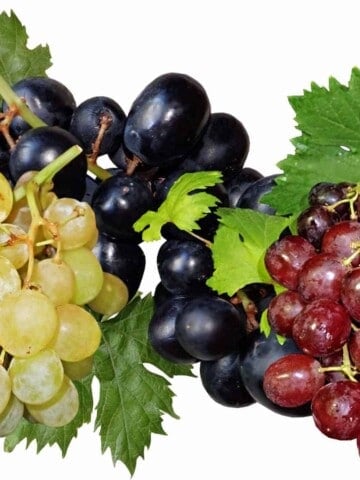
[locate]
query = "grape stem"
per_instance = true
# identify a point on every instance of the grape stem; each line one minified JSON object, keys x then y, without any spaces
{"x":249,"y":307}
{"x":98,"y":171}
{"x":105,"y":122}
{"x":48,"y":172}
{"x":14,"y":100}
{"x":346,"y":367}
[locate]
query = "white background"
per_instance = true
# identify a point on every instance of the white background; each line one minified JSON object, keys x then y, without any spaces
{"x":249,"y":55}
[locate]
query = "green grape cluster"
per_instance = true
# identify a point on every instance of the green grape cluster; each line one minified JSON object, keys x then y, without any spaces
{"x":48,"y":276}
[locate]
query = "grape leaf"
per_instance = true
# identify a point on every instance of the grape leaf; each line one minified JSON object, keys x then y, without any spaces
{"x":132,"y":398}
{"x":327,"y":150}
{"x":17,"y":61}
{"x":182,"y":206}
{"x":239,"y":248}
{"x":61,"y":436}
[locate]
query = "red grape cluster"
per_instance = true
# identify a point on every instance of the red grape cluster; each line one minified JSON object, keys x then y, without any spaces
{"x":319,"y":310}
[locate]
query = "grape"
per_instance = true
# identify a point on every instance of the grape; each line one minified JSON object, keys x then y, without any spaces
{"x":260,"y":353}
{"x":79,"y":334}
{"x":293,"y":380}
{"x":74,"y":220}
{"x":112,"y":298}
{"x":123,"y":259}
{"x":61,"y":409}
{"x":237,"y":185}
{"x":285,"y":258}
{"x":342,"y":241}
{"x":28,"y":322}
{"x":38,"y":378}
{"x":88,"y":274}
{"x":209,"y":328}
{"x":223,"y":146}
{"x":283,"y":310}
{"x":10,"y":281}
{"x":223,"y":382}
{"x":166,"y":119}
{"x":40,"y":146}
{"x":55,"y":279}
{"x":336,"y":409}
{"x":184,"y":266}
{"x":354,"y":348}
{"x":162,"y":331}
{"x":47,"y":98}
{"x":80,"y":369}
{"x":11,"y":416}
{"x":350,"y":293}
{"x":327,"y":193}
{"x":322,"y":327}
{"x":13,"y":244}
{"x":321,"y":277}
{"x":88,"y":119}
{"x":252,"y":196}
{"x":313,"y":222}
{"x":6,"y":198}
{"x":118,"y":202}
{"x":5,"y":388}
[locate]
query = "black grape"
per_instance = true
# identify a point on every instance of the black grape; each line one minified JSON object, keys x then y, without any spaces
{"x":210,"y":327}
{"x":161,"y":295}
{"x":125,"y":260}
{"x":223,"y":146}
{"x":223,"y":382}
{"x":166,"y":119}
{"x":262,"y":351}
{"x":184,"y":266}
{"x":40,"y":146}
{"x":47,"y":98}
{"x":162,"y":331}
{"x":118,"y":202}
{"x":86,"y":123}
{"x":251,"y":197}
{"x":239,"y":183}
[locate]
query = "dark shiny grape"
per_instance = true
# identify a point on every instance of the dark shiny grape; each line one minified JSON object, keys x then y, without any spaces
{"x":327,"y":193}
{"x":283,"y":310}
{"x":125,"y":260}
{"x":223,"y":146}
{"x":118,"y":202}
{"x":161,"y":295}
{"x":209,"y":328}
{"x":341,"y":240}
{"x":222,"y":381}
{"x":238,"y":183}
{"x":184,"y":267}
{"x":90,"y":116}
{"x":313,"y":222}
{"x":162,"y":331}
{"x":262,"y":351}
{"x":47,"y":98}
{"x":354,"y":348}
{"x":252,"y":196}
{"x":166,"y":119}
{"x":350,"y":293}
{"x":40,"y":146}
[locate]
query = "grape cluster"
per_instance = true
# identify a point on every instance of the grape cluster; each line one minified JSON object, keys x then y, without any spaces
{"x":319,"y":311}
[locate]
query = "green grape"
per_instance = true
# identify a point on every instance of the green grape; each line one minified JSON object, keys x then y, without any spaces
{"x":75,"y":222}
{"x":10,"y":280}
{"x":55,"y":279}
{"x":6,"y":197}
{"x":38,"y":378}
{"x":28,"y":322}
{"x":112,"y":297}
{"x":80,"y":369}
{"x":13,"y":244}
{"x":61,"y":409}
{"x":88,"y":274}
{"x":5,"y":388}
{"x":79,"y":334}
{"x":11,"y":416}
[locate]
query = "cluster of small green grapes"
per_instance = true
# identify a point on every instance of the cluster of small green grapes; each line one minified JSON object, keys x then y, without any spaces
{"x":48,"y":275}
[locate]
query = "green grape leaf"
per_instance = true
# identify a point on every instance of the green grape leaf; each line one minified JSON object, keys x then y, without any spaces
{"x":239,"y":247}
{"x":132,"y":398}
{"x":184,"y":205}
{"x":62,"y":436}
{"x":17,"y":61}
{"x":327,"y":150}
